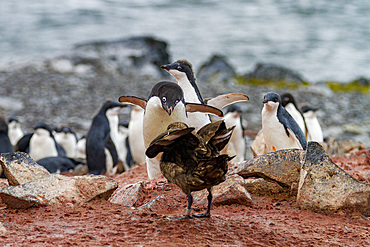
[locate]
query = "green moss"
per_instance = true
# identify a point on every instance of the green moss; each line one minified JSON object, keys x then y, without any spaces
{"x":348,"y":87}
{"x":269,"y":83}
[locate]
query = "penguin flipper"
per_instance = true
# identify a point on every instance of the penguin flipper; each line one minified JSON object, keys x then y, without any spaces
{"x":194,"y":107}
{"x":112,"y":150}
{"x":223,"y":100}
{"x":292,"y":128}
{"x":133,"y":100}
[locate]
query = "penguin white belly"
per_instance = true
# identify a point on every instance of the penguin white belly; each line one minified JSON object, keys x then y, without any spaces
{"x":42,"y":147}
{"x":114,"y":135}
{"x":237,"y":140}
{"x":68,"y":142}
{"x":155,"y":122}
{"x":275,"y":135}
{"x":313,"y":128}
{"x":15,"y":133}
{"x":135,"y":136}
{"x":81,"y":149}
{"x":110,"y":170}
{"x":195,"y":119}
{"x":296,"y":115}
{"x":156,"y":119}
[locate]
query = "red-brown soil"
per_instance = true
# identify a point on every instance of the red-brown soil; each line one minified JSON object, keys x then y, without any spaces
{"x":273,"y":221}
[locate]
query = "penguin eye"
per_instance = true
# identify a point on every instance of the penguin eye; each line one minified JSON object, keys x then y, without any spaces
{"x":177,"y":101}
{"x":179,"y":68}
{"x":164,"y":99}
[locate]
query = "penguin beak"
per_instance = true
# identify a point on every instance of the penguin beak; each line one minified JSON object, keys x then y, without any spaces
{"x":264,"y":101}
{"x":165,"y":67}
{"x":168,"y":109}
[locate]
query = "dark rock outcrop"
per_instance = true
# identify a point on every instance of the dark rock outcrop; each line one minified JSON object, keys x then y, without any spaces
{"x":216,"y":70}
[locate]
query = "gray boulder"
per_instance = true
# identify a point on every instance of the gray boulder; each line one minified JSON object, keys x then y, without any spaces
{"x":128,"y":195}
{"x":325,"y":186}
{"x":58,"y":190}
{"x":281,"y":167}
{"x":261,"y":186}
{"x":273,"y":72}
{"x":231,"y":191}
{"x":136,"y":53}
{"x":20,"y":168}
{"x":216,"y":70}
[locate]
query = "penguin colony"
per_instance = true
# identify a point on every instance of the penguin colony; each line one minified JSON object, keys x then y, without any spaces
{"x":171,"y":131}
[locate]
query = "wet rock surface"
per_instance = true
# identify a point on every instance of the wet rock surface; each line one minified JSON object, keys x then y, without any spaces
{"x":325,"y":186}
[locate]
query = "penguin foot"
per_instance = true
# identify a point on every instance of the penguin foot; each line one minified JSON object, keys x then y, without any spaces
{"x":203,"y":215}
{"x":185,"y":217}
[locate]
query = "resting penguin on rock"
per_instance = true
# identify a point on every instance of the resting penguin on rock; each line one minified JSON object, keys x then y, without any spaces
{"x":101,"y":152}
{"x":165,"y":105}
{"x":280,"y":130}
{"x":182,"y":70}
{"x":289,"y":103}
{"x":193,"y":161}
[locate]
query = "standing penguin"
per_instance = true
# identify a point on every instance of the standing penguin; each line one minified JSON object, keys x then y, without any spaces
{"x":279,"y":129}
{"x":165,"y":105}
{"x":15,"y":131}
{"x":42,"y":143}
{"x":101,"y":152}
{"x":67,"y":139}
{"x":314,"y":131}
{"x":288,"y":101}
{"x":135,"y":135}
{"x":182,"y":70}
{"x":237,"y":142}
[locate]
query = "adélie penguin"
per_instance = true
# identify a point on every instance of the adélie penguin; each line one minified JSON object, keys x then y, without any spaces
{"x":280,"y":130}
{"x":42,"y":143}
{"x":15,"y":131}
{"x":135,"y":136}
{"x":67,"y":138}
{"x":193,"y":161}
{"x":182,"y":70}
{"x":289,"y":103}
{"x":237,"y":142}
{"x":314,"y":131}
{"x":101,"y":152}
{"x":165,"y":105}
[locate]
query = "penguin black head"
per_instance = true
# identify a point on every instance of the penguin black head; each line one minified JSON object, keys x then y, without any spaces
{"x":307,"y":108}
{"x":109,"y":105}
{"x":13,"y":119}
{"x":287,"y":98}
{"x":180,"y":68}
{"x":43,"y":128}
{"x":234,"y":108}
{"x":169,"y":93}
{"x":272,"y":100}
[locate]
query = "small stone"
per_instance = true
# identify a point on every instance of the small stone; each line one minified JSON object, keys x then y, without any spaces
{"x":128,"y":195}
{"x":231,"y":191}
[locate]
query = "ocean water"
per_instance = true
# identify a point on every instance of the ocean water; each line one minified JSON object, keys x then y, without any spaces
{"x":321,"y":39}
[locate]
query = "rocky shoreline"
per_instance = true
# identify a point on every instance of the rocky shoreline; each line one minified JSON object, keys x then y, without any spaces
{"x":68,"y":90}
